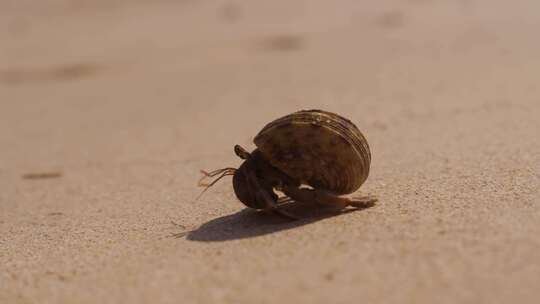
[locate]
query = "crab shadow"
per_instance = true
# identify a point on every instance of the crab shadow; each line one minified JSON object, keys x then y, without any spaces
{"x":249,"y":223}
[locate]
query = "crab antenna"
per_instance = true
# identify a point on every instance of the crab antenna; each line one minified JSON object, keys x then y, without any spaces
{"x":212,"y":174}
{"x":221,"y":172}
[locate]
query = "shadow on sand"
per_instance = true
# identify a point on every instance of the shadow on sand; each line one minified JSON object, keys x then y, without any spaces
{"x":250,"y":223}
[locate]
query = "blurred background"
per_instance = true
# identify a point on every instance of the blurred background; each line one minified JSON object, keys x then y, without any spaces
{"x":127,"y":100}
{"x":160,"y":71}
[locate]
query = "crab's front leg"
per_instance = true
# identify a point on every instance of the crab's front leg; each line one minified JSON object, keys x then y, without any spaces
{"x":272,"y":205}
{"x":326,"y":198}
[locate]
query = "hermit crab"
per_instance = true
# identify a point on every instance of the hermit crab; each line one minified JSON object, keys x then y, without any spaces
{"x":311,"y":156}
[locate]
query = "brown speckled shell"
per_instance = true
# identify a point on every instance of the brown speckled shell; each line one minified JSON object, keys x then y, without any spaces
{"x":317,"y":148}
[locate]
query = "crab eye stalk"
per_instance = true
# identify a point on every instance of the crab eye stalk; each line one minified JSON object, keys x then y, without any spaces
{"x":241,"y":152}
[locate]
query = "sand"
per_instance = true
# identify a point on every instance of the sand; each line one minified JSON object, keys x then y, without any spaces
{"x":109,"y":109}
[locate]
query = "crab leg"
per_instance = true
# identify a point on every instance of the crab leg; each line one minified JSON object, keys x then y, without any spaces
{"x":323,"y":197}
{"x":284,"y":200}
{"x":271,"y":205}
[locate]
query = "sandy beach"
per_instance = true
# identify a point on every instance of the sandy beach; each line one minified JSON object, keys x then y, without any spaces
{"x":109,"y":109}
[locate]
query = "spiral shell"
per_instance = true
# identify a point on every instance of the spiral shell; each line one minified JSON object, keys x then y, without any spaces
{"x":317,"y":148}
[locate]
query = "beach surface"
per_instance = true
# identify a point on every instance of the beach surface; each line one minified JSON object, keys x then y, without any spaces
{"x":109,"y":109}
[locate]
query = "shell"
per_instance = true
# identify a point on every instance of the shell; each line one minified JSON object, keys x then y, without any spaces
{"x":317,"y":148}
